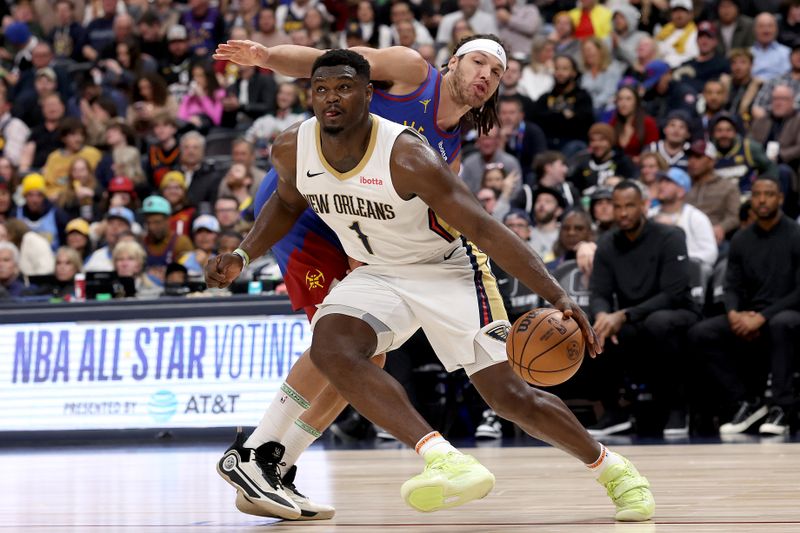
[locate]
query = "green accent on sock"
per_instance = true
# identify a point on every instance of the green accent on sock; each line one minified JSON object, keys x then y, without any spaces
{"x":291,"y":393}
{"x":308,"y":429}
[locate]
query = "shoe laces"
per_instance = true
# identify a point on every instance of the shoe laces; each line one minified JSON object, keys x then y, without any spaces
{"x":629,"y":483}
{"x":448,"y":461}
{"x":271,"y":471}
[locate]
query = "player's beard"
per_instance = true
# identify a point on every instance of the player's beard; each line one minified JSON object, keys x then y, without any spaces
{"x":460,"y":89}
{"x":332,"y":130}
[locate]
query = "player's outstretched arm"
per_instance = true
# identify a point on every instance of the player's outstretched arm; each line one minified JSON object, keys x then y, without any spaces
{"x":397,"y":64}
{"x":287,"y":59}
{"x":418,"y":170}
{"x":274,"y":221}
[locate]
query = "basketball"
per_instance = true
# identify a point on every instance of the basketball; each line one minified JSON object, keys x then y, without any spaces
{"x":543,"y":349}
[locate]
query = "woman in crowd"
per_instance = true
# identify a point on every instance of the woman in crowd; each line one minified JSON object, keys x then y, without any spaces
{"x":634,"y":128}
{"x":150,"y":97}
{"x":650,"y":164}
{"x":503,"y":183}
{"x":128,"y":258}
{"x":202,"y":106}
{"x":287,"y":112}
{"x":82,"y":196}
{"x":318,"y":29}
{"x":67,"y":264}
{"x":600,"y":73}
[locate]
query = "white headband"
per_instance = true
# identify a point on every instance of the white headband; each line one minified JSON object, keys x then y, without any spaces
{"x":484,"y":45}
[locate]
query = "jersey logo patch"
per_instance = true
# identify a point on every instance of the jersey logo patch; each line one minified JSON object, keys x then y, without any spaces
{"x":310,"y":175}
{"x":425,"y":105}
{"x":315,"y":279}
{"x":499,"y":332}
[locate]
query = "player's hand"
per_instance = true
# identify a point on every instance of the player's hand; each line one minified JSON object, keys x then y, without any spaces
{"x":571,"y":310}
{"x":246,"y":53}
{"x":222,"y":270}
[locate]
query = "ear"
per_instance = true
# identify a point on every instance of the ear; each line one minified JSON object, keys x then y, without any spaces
{"x":451,"y":64}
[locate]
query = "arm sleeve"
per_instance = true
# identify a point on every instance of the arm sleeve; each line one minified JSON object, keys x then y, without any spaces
{"x":673,"y":278}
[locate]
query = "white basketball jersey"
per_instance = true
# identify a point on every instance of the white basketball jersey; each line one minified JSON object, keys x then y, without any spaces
{"x":362,"y":207}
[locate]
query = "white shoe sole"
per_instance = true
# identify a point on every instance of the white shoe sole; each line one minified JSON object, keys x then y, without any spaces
{"x":747,"y":423}
{"x":772,"y":429}
{"x":248,"y":507}
{"x":610,"y":430}
{"x":488,"y":434}
{"x":228,"y":469}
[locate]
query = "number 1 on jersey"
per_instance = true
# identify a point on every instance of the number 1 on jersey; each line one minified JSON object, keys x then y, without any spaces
{"x":363,"y":238}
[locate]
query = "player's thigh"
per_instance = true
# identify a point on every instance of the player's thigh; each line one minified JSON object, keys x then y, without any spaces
{"x":370,"y":297}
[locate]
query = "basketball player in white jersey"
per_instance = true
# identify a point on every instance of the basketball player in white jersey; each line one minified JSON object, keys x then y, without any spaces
{"x":378,"y":185}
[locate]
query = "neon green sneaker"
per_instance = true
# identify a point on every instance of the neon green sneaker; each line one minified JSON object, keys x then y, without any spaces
{"x":449,"y":480}
{"x":630,"y":492}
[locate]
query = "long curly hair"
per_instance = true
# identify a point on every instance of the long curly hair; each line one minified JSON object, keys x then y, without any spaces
{"x":482,"y":118}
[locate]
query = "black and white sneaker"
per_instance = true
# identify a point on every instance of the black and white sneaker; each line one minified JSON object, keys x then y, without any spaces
{"x":611,"y":423}
{"x":745,"y":418}
{"x":382,"y":434}
{"x":255,"y":474}
{"x":309,"y":510}
{"x":490,"y":426}
{"x":776,"y":423}
{"x":677,"y":424}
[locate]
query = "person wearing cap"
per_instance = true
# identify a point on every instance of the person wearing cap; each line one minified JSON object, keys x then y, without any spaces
{"x":548,"y":206}
{"x":175,"y":65}
{"x":601,"y":208}
{"x":641,"y":314}
{"x":162,"y":245}
{"x":677,"y":40}
{"x":763,"y":100}
{"x":39,"y":213}
{"x":602,"y":160}
{"x":117,"y":222}
{"x":760,"y":330}
{"x":677,"y":134}
{"x":672,"y":210}
{"x":770,"y":58}
{"x":744,"y":88}
{"x":205,"y":230}
{"x":717,"y":198}
{"x":626,"y":34}
{"x":709,"y":64}
{"x":664,"y":94}
{"x":173,"y":188}
{"x":122,"y":193}
{"x":78,"y":239}
{"x":20,"y":41}
{"x":740,"y":159}
{"x":735,"y":30}
{"x":13,"y":132}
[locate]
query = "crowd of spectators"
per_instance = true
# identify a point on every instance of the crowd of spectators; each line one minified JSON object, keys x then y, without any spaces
{"x":648,"y":150}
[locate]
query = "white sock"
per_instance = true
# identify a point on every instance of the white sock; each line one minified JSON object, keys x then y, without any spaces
{"x":286,"y":407}
{"x":433,"y":444}
{"x":297,"y":440}
{"x":606,"y":460}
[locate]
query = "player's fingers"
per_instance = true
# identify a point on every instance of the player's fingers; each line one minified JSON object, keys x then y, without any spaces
{"x":566,"y":314}
{"x":614,"y":339}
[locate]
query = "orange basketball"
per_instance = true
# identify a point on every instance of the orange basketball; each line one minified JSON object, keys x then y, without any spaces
{"x":543,"y":348}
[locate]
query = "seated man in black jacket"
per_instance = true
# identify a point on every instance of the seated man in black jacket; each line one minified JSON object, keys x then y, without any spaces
{"x":644,"y":267}
{"x":762,"y":326}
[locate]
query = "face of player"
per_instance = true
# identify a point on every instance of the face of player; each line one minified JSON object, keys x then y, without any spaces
{"x":629,"y":209}
{"x":766,"y":199}
{"x":477,"y":77}
{"x":340,"y":98}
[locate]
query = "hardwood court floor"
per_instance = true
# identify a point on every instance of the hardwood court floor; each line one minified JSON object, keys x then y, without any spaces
{"x":733,"y":488}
